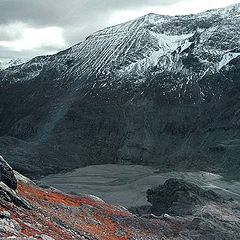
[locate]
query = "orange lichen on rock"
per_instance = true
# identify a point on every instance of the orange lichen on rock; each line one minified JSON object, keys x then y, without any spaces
{"x":64,"y":216}
{"x":34,"y":193}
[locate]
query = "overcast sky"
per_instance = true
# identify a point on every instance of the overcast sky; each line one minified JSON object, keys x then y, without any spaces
{"x":35,"y":27}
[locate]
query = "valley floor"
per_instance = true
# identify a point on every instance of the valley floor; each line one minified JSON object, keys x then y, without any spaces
{"x":126,"y":185}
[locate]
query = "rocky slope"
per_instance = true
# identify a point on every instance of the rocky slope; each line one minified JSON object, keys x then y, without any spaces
{"x":31,"y":212}
{"x":158,"y":90}
{"x":12,"y":63}
{"x":211,"y":217}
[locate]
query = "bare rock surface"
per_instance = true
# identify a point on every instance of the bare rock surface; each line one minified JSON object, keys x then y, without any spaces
{"x":179,"y":197}
{"x":7,"y":174}
{"x":32,"y":212}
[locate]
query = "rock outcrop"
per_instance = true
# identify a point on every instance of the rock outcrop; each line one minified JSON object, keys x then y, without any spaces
{"x":8,"y":185}
{"x":7,"y":175}
{"x":203,"y":213}
{"x":178,"y":197}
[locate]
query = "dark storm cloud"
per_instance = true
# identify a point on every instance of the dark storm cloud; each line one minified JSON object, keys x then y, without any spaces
{"x":6,"y":54}
{"x":45,"y":12}
{"x":78,"y":18}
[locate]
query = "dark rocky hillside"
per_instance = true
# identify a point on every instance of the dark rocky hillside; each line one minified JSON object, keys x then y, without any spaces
{"x":28,"y":211}
{"x":157,"y":90}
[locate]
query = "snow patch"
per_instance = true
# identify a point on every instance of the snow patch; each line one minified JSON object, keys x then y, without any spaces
{"x":12,"y":63}
{"x":228,"y":57}
{"x":170,"y":43}
{"x":167,"y":45}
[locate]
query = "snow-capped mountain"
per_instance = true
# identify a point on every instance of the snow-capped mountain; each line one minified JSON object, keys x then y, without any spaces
{"x":152,"y":41}
{"x":134,"y":92}
{"x":16,"y":62}
{"x":3,"y":65}
{"x":12,"y":63}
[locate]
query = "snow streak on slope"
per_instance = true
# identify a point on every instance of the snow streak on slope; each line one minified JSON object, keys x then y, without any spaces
{"x":132,"y":49}
{"x":12,"y":63}
{"x":166,"y":45}
{"x":96,"y":54}
{"x":228,"y":57}
{"x":25,"y":71}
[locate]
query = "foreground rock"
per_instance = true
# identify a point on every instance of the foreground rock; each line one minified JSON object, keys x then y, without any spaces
{"x":32,"y":212}
{"x":50,"y":214}
{"x":8,"y":185}
{"x":7,"y":175}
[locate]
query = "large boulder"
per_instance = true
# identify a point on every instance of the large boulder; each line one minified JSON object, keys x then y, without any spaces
{"x":179,"y":197}
{"x":8,"y":185}
{"x":7,"y":174}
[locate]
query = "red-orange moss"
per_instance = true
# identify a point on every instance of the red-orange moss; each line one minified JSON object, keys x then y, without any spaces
{"x":106,"y":228}
{"x":61,"y":216}
{"x":37,"y":194}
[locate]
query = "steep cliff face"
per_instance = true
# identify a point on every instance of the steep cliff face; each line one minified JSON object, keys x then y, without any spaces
{"x":157,"y":90}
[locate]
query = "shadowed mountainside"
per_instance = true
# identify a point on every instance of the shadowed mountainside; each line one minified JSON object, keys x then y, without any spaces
{"x":158,"y":90}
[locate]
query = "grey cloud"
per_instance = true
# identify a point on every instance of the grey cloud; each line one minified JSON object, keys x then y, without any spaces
{"x":45,"y":12}
{"x":7,"y":54}
{"x":7,"y":35}
{"x":77,"y":18}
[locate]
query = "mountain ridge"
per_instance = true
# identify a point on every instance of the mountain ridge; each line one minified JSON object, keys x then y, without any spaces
{"x":158,"y":90}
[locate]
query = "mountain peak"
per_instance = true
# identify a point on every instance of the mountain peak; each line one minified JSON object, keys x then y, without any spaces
{"x":235,"y":6}
{"x":12,"y":63}
{"x":229,"y":10}
{"x":152,"y":18}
